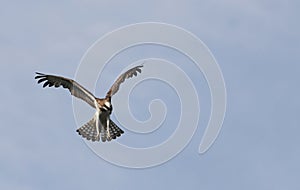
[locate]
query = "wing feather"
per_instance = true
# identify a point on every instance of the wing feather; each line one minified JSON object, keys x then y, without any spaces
{"x":75,"y":88}
{"x":128,"y":74}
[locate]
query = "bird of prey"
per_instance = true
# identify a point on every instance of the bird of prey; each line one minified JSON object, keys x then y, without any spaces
{"x":100,"y":126}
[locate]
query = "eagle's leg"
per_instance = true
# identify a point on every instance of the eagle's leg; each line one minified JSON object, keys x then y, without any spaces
{"x":107,"y":129}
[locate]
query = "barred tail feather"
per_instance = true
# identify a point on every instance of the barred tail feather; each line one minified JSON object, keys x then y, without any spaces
{"x":89,"y":131}
{"x":114,"y":130}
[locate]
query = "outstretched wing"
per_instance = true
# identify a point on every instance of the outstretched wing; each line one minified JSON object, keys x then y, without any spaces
{"x":76,"y":89}
{"x":128,"y":74}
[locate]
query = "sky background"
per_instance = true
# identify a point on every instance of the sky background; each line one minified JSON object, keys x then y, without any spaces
{"x":256,"y":44}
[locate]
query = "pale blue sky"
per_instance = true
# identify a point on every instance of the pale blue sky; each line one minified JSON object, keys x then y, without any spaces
{"x":256,"y":44}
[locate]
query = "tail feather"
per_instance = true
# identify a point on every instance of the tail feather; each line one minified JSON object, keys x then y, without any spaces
{"x":114,"y":130}
{"x":103,"y":134}
{"x":89,"y":131}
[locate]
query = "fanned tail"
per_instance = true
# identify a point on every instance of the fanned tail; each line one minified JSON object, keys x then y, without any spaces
{"x":89,"y":131}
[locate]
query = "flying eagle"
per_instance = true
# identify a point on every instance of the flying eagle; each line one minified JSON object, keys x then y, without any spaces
{"x":100,"y":125}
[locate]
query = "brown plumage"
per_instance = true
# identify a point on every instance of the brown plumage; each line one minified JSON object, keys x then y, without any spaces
{"x":100,"y":126}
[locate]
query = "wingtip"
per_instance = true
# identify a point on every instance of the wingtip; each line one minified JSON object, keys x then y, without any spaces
{"x":38,"y":75}
{"x":139,"y":68}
